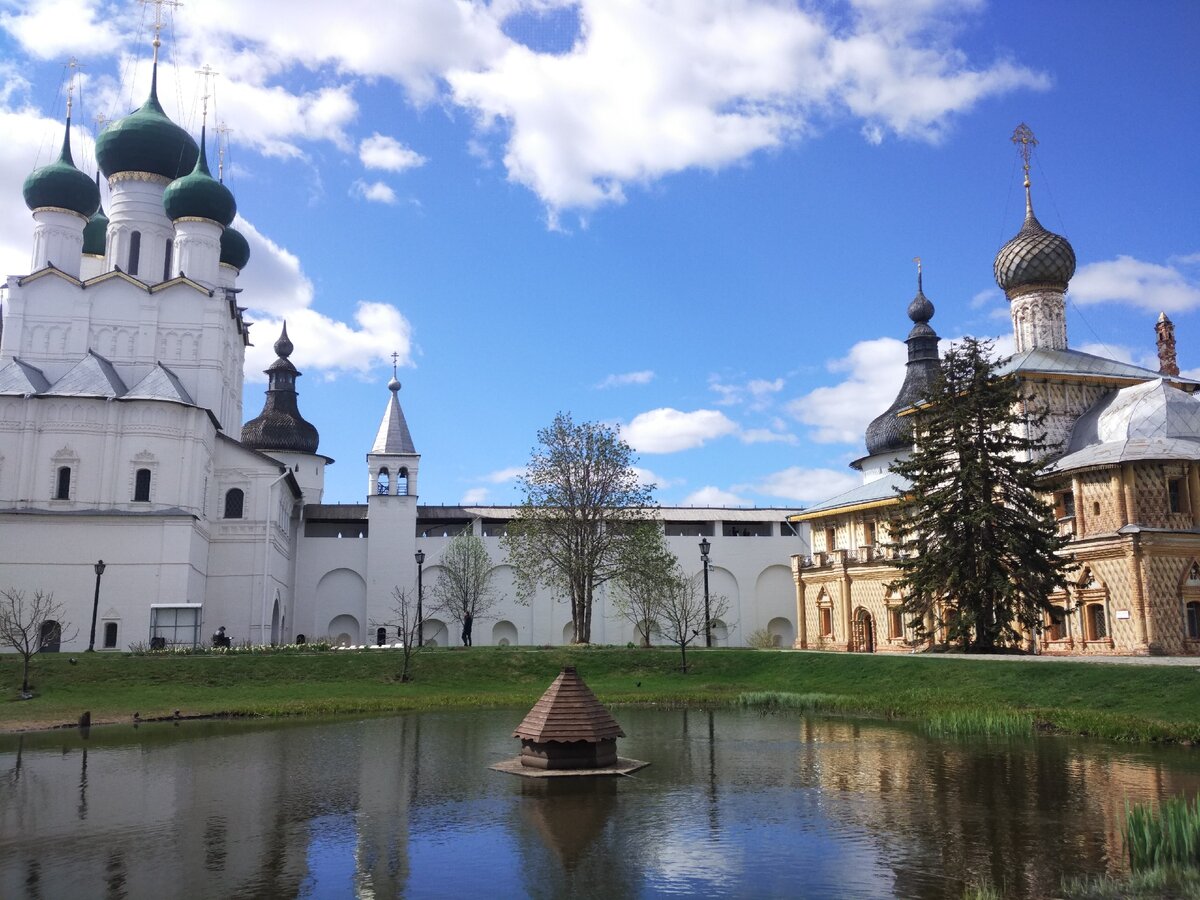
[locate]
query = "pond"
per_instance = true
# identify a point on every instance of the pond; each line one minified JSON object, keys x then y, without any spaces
{"x":734,"y":804}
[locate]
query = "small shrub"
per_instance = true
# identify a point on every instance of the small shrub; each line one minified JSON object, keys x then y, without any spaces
{"x":761,"y":640}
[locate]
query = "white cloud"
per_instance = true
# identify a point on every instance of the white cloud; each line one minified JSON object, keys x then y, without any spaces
{"x":803,"y":485}
{"x":667,"y":430}
{"x":382,"y":152}
{"x":500,"y":476}
{"x":59,"y":28}
{"x":713,"y":496}
{"x":765,"y":436}
{"x":1145,"y":285}
{"x":656,"y":87}
{"x":647,"y":477}
{"x":276,"y":289}
{"x":840,"y":414}
{"x":376,"y":191}
{"x":646,"y":90}
{"x":758,"y":393}
{"x":643,"y":377}
{"x":475,"y":497}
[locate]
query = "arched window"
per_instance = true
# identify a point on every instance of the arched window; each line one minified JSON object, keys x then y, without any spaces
{"x":141,"y":486}
{"x":167,"y":259}
{"x":825,"y":615}
{"x":135,"y":252}
{"x":50,"y":637}
{"x":234,"y":501}
{"x":384,"y":483}
{"x":1096,"y":622}
{"x":381,"y":636}
{"x":62,"y":489}
{"x":402,"y":483}
{"x":110,"y":635}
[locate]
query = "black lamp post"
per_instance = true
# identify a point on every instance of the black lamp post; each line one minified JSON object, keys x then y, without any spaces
{"x":704,"y":548}
{"x":99,"y":568}
{"x":420,"y":618}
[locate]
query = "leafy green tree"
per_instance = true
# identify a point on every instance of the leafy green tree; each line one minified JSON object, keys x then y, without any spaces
{"x":464,"y":587}
{"x":980,"y":546}
{"x":584,"y":511}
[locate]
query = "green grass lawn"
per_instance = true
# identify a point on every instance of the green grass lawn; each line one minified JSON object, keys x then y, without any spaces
{"x":1114,"y":701}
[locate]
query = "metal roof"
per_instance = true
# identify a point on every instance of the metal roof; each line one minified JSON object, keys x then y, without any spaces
{"x":1065,"y":363}
{"x":393,"y":436}
{"x":160,"y":383}
{"x":870,"y":494}
{"x":92,"y":376}
{"x":21,"y":378}
{"x":1151,"y":420}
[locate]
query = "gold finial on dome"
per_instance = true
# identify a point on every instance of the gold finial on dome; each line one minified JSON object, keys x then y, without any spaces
{"x":1023,"y":137}
{"x":73,"y":66}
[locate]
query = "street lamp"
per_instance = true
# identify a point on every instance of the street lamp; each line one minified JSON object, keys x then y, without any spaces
{"x":704,"y":548}
{"x":420,"y":618}
{"x":99,"y":568}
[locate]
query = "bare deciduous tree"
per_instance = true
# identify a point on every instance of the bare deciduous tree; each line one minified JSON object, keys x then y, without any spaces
{"x":28,"y":624}
{"x":464,"y":587}
{"x":638,"y":590}
{"x":681,"y":612}
{"x":407,"y":624}
{"x":584,"y":508}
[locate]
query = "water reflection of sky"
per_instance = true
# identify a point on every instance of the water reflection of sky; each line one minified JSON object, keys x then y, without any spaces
{"x":734,"y":804}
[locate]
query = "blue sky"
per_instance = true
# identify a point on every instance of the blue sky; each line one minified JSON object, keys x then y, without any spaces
{"x":692,"y":218}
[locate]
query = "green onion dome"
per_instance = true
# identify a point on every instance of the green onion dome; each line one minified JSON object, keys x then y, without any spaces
{"x":146,"y":141}
{"x":62,"y":185}
{"x":95,"y":232}
{"x":235,"y":249}
{"x":199,"y":195}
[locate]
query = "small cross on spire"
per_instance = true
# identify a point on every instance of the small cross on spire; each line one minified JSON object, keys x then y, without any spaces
{"x":206,"y":72}
{"x":1025,"y":141}
{"x":917,"y":260}
{"x":395,"y":360}
{"x":158,"y":22}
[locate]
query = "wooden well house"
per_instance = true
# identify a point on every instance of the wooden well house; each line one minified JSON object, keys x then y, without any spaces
{"x":568,"y":728}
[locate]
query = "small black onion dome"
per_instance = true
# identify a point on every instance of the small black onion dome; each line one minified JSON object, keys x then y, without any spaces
{"x":235,"y":249}
{"x":62,"y":185}
{"x":280,"y":426}
{"x":199,"y":195}
{"x":146,"y":141}
{"x":887,"y":432}
{"x":1034,"y":256}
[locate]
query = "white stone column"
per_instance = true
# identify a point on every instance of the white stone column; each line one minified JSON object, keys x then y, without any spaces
{"x":136,"y":204}
{"x":58,"y":239}
{"x":197,"y":250}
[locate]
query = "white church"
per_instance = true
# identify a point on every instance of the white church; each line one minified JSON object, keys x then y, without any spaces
{"x":122,"y":442}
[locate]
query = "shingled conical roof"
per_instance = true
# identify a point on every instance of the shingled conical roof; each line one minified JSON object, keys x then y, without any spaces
{"x":568,"y":712}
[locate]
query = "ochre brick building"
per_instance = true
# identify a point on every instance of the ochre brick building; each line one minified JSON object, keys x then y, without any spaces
{"x":1124,"y":479}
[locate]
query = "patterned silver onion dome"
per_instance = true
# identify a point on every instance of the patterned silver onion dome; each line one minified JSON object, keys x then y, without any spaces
{"x":1034,"y":257}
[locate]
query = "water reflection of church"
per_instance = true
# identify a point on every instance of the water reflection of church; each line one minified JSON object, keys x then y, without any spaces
{"x":1124,"y":477}
{"x":386,"y":807}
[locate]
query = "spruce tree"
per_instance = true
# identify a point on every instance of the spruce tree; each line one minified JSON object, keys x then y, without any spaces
{"x":980,"y":546}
